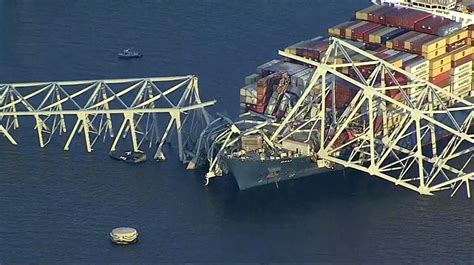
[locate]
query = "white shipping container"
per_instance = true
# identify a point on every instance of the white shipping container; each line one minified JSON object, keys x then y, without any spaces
{"x":297,"y":147}
{"x":464,"y":91}
{"x":417,"y":66}
{"x":424,"y":77}
{"x":460,"y":76}
{"x":461,"y":83}
{"x":424,"y":72}
{"x":462,"y":68}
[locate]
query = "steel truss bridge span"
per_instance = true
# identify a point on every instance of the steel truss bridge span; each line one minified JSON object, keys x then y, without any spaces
{"x":416,"y":135}
{"x":147,"y":110}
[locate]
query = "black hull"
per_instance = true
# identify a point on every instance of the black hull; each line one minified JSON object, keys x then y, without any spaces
{"x":252,"y":173}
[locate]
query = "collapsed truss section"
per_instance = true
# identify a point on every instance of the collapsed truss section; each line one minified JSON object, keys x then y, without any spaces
{"x":141,"y":106}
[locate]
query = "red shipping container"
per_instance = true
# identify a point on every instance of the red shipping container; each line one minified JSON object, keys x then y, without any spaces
{"x":358,"y":33}
{"x":378,"y":15}
{"x":399,"y":42}
{"x":401,"y":79}
{"x":440,"y":77}
{"x":417,"y":45}
{"x":312,"y":49}
{"x":345,"y":93}
{"x":457,"y":45}
{"x":443,"y":83}
{"x":406,"y":18}
{"x":439,"y":26}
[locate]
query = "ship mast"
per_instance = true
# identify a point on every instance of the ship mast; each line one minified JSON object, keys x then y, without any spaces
{"x":444,"y":8}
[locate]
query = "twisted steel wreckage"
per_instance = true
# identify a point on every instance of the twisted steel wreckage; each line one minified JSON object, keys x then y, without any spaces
{"x":414,"y":133}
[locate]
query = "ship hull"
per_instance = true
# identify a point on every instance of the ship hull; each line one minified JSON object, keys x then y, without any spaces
{"x":253,"y":173}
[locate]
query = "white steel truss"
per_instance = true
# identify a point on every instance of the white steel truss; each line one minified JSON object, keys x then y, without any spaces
{"x":415,"y":135}
{"x":95,"y":106}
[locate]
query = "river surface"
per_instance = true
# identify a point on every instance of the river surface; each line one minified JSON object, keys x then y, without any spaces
{"x":58,"y":207}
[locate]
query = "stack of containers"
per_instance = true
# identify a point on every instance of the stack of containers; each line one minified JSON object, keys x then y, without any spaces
{"x":248,"y":97}
{"x":418,"y":66}
{"x":405,"y":18}
{"x":440,"y":71}
{"x":384,"y":34}
{"x":461,"y":72}
{"x":340,"y":30}
{"x":426,"y":45}
{"x":471,"y":43}
{"x":265,"y":88}
{"x":361,"y":31}
{"x":345,"y":93}
{"x":313,"y":49}
{"x":429,"y":47}
{"x":438,"y":26}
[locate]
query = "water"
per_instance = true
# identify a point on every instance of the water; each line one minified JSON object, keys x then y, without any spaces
{"x":58,"y":207}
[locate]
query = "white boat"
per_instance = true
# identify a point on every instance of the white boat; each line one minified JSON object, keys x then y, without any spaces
{"x":129,"y":54}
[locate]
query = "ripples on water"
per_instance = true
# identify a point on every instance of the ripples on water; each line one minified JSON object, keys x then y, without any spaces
{"x":57,"y":207}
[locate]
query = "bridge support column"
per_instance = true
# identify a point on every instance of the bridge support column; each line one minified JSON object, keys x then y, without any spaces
{"x":159,"y":151}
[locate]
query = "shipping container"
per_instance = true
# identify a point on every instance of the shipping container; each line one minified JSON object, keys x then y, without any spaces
{"x":462,"y":61}
{"x":416,"y":66}
{"x":364,"y":13}
{"x":399,"y":42}
{"x":348,"y":32}
{"x":290,"y":68}
{"x":253,"y":78}
{"x":434,"y":54}
{"x":457,"y":45}
{"x":460,"y":76}
{"x":462,"y":53}
{"x":384,"y":34}
{"x":439,"y":26}
{"x":461,"y":83}
{"x":361,"y":31}
{"x":378,"y":15}
{"x":440,"y":70}
{"x":340,"y":30}
{"x":345,"y":93}
{"x":440,"y":61}
{"x":441,"y":77}
{"x":313,"y":49}
{"x":265,"y":65}
{"x":405,"y":18}
{"x":466,"y":67}
{"x":457,"y":36}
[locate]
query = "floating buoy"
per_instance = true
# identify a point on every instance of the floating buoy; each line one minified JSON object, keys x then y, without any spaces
{"x":124,"y":235}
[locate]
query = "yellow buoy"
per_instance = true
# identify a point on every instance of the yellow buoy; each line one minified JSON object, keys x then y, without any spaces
{"x":124,"y":235}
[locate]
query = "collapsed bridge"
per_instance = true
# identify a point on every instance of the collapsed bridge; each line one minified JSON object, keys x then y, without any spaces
{"x":141,"y":106}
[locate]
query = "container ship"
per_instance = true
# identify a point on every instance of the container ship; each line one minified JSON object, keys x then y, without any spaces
{"x":429,"y":40}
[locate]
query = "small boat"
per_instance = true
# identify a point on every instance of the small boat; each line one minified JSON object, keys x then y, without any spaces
{"x":129,"y":54}
{"x":131,"y":157}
